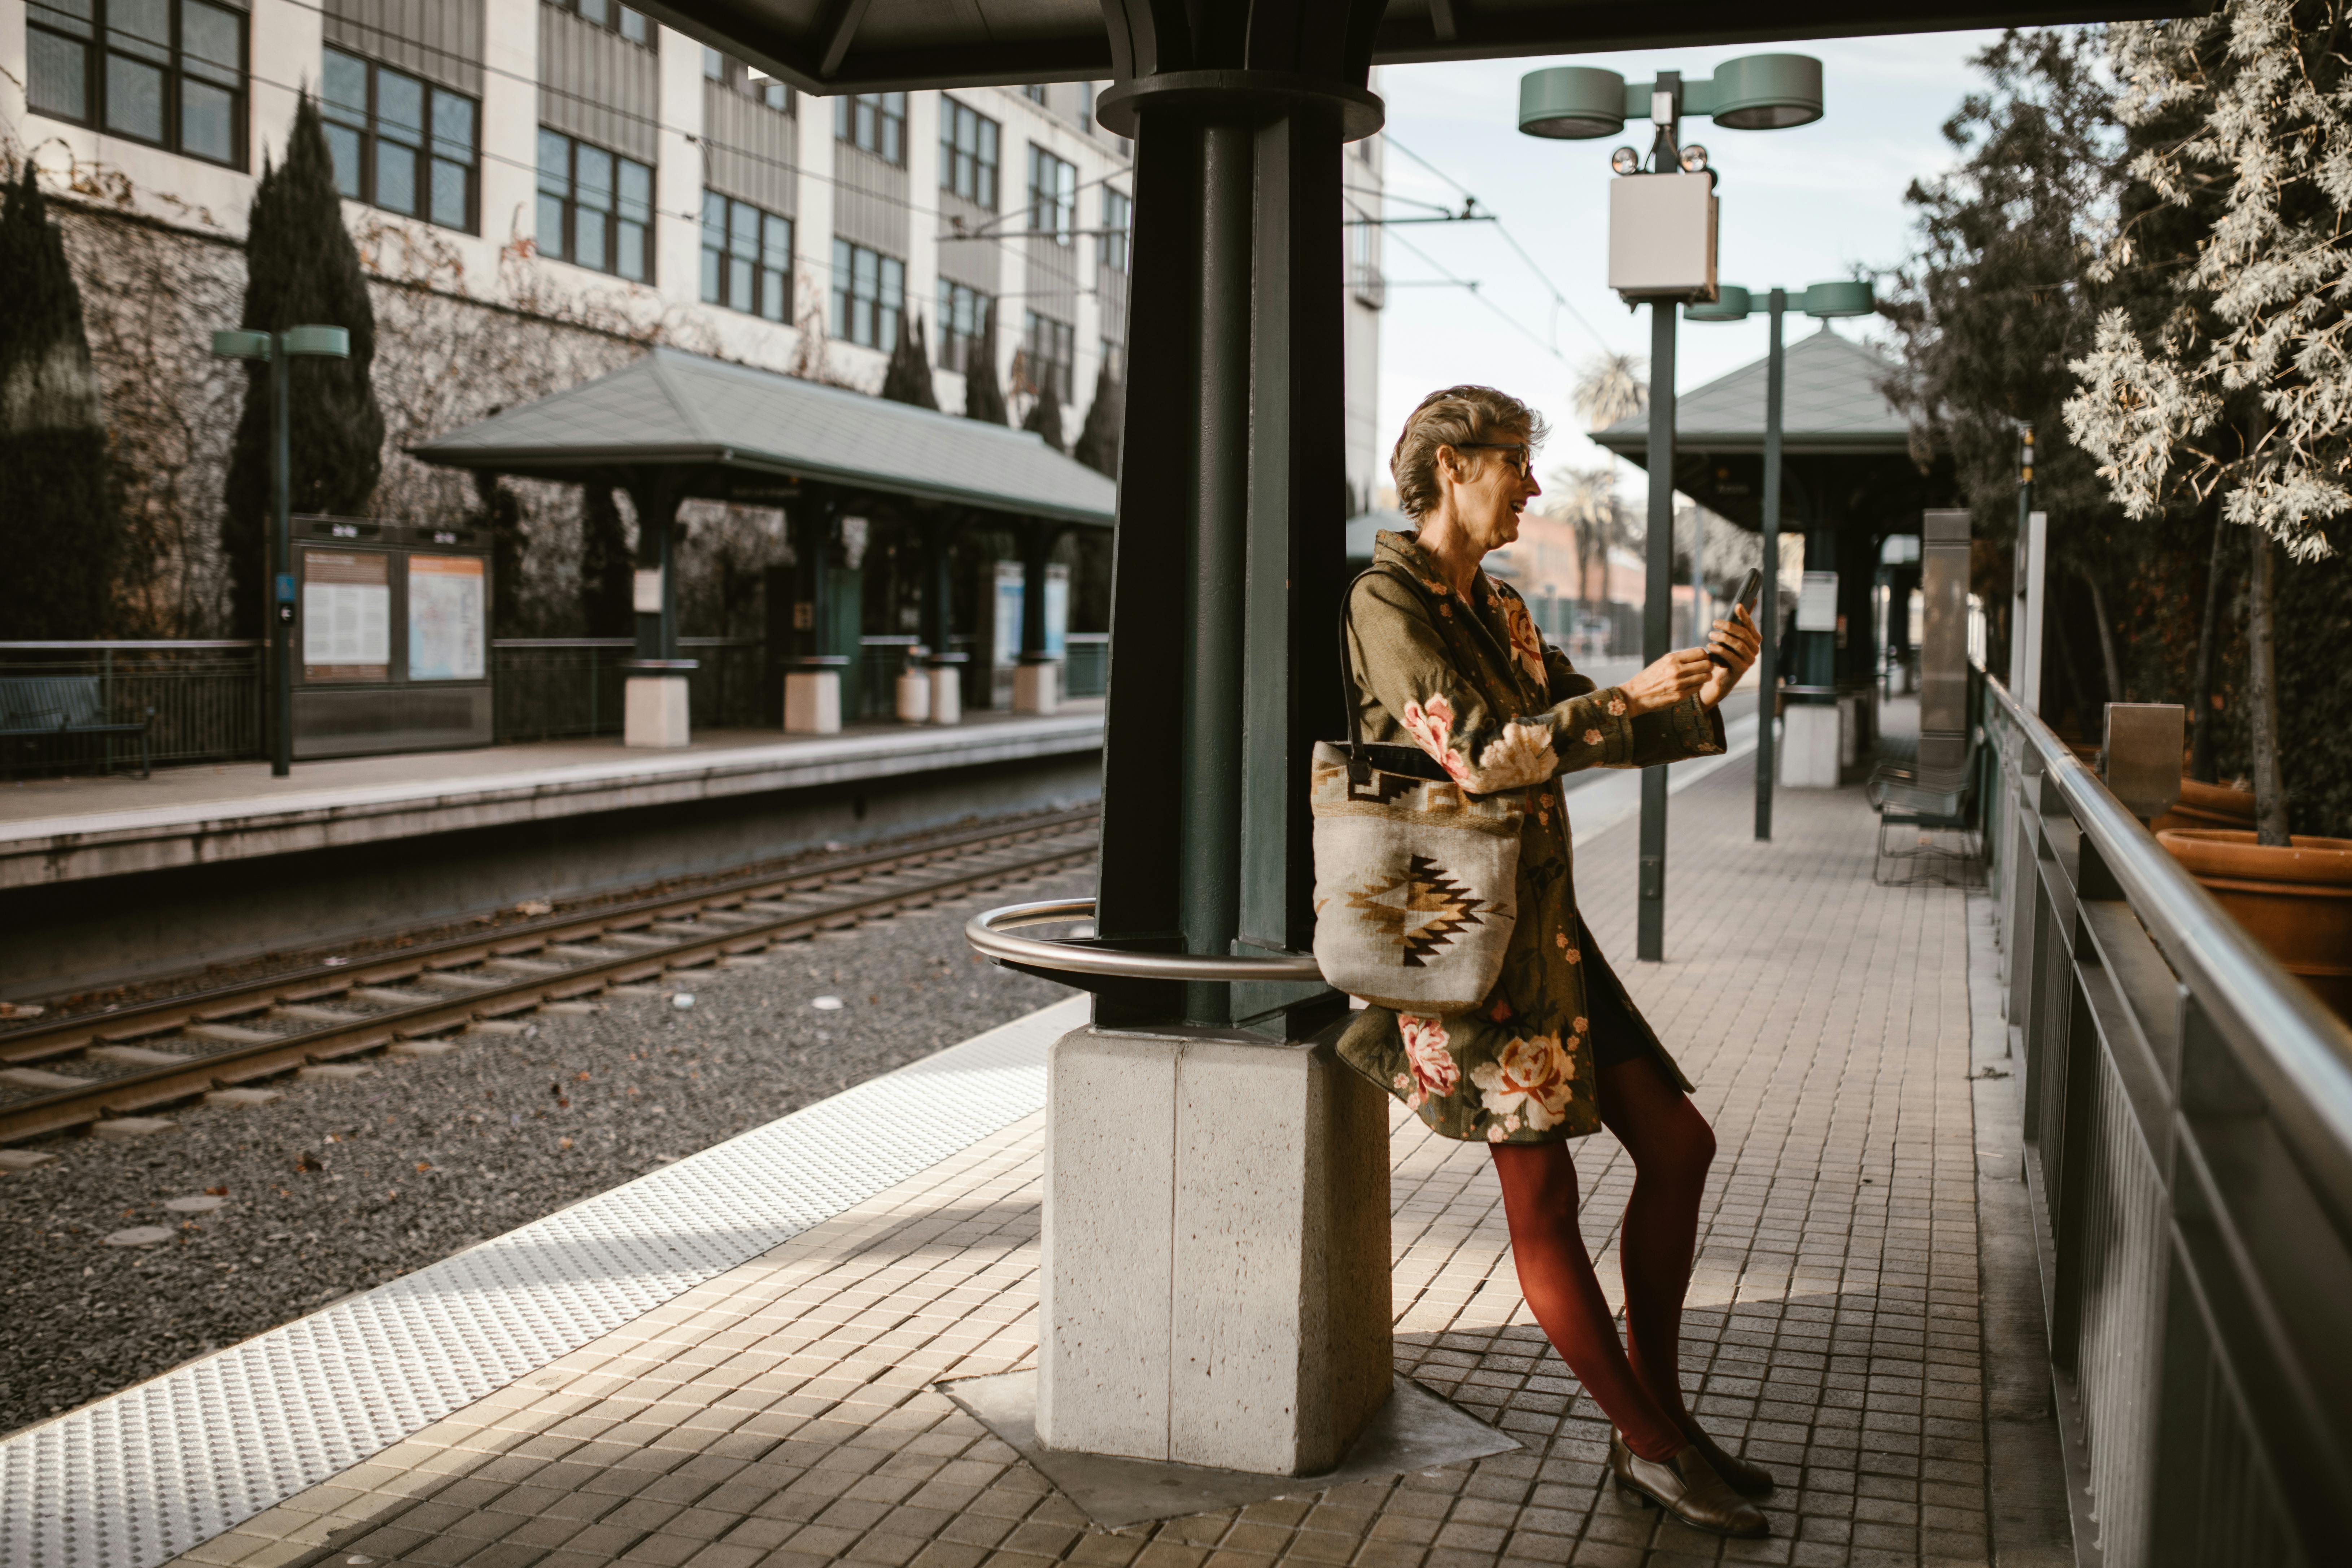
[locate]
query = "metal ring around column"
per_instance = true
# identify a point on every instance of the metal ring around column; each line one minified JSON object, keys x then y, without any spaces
{"x":986,"y":932}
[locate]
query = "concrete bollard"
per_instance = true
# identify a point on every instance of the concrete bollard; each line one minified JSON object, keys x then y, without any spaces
{"x":914,"y":693}
{"x":1037,"y":687}
{"x":654,"y":710}
{"x":947,"y":688}
{"x":813,"y":701}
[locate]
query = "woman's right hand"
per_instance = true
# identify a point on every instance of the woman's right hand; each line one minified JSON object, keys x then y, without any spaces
{"x":1667,"y":681}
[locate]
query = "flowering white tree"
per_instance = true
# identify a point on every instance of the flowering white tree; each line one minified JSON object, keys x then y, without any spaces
{"x":2246,"y":387}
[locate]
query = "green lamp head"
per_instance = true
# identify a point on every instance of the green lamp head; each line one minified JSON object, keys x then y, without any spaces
{"x":1731,"y":303}
{"x":1766,"y":92}
{"x":1847,"y":297}
{"x":1571,"y":103}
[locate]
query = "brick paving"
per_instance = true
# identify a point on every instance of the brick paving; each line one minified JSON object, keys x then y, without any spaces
{"x":781,"y":1415}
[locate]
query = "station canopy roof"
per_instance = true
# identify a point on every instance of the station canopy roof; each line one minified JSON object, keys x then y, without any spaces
{"x":728,"y":432}
{"x":855,"y":45}
{"x":1843,"y":444}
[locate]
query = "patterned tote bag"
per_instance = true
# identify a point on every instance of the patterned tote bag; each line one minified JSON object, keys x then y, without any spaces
{"x":1414,"y":875}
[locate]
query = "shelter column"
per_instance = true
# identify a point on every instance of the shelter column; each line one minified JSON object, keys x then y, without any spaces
{"x":656,"y":695}
{"x":812,"y":674}
{"x":1037,"y":680}
{"x":1216,"y":1266}
{"x":939,"y":618}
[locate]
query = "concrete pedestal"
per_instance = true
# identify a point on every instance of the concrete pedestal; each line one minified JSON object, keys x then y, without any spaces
{"x":813,"y":702}
{"x":914,"y":697}
{"x":655,"y":710}
{"x":1215,"y":1285}
{"x":1811,"y":744}
{"x":1037,"y":688}
{"x":947,"y":694}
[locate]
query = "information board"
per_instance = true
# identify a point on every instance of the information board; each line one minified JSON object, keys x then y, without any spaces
{"x":447,"y":606}
{"x":346,"y":615}
{"x":1817,"y":603}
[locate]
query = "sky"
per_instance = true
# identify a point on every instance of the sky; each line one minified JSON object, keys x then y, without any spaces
{"x":1798,"y":206}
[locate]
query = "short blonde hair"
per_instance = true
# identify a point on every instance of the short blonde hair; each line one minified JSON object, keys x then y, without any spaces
{"x":1458,"y":417}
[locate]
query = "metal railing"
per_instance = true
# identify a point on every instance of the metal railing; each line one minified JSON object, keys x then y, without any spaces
{"x":2188,"y":1110}
{"x":201,"y":700}
{"x":552,"y":689}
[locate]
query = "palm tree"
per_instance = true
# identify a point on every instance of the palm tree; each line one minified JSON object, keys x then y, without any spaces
{"x":1588,"y":500}
{"x":1610,"y":386}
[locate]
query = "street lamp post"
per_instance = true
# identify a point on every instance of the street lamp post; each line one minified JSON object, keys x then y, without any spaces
{"x":280,"y":349}
{"x":1662,"y":250}
{"x":1845,"y":296}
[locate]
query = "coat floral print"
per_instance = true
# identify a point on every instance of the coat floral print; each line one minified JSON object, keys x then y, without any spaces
{"x":1499,"y":709}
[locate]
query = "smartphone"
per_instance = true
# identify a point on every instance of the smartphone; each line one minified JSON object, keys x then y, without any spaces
{"x":1748,"y":590}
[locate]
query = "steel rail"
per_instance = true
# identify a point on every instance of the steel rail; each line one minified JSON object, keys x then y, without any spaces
{"x":986,"y":931}
{"x":38,"y":1042}
{"x":83,"y":1104}
{"x":2283,"y":1028}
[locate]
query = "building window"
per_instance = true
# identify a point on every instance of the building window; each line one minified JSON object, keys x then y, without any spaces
{"x":596,"y":208}
{"x":614,"y":17}
{"x":399,"y":144}
{"x":1035,"y":91}
{"x":1117,"y":212}
{"x":964,"y":323}
{"x":1052,"y":195}
{"x":748,"y":81}
{"x":1048,"y":346}
{"x":874,"y":122}
{"x":869,"y":290}
{"x":747,"y":258}
{"x":1086,"y":107}
{"x":967,"y":153}
{"x":1114,"y":359}
{"x":167,"y":72}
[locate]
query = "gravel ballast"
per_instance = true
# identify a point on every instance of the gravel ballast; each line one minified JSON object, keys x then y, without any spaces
{"x":344,"y":1183}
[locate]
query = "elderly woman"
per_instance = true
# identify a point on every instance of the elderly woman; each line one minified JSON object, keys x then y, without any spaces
{"x":1448,"y":657}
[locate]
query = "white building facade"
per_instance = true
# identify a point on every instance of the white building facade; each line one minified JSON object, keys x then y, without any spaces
{"x":579,"y":160}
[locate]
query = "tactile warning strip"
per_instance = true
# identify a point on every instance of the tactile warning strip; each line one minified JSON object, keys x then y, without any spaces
{"x":133,"y":1480}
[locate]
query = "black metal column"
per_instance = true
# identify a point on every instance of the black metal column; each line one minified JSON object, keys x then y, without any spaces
{"x":811,"y":516}
{"x":1233,"y":484}
{"x":1767,"y":675}
{"x":1658,"y":615}
{"x":1037,"y":546}
{"x":656,"y":501}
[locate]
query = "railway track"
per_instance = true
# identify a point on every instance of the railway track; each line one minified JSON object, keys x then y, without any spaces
{"x":81,"y":1072}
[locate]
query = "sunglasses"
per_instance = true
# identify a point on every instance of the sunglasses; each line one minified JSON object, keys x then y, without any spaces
{"x":1524,"y":462}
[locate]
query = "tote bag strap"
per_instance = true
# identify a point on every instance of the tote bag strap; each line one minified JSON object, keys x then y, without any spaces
{"x":1359,"y":764}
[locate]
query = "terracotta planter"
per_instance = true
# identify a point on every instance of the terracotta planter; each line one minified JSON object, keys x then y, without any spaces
{"x":2209,"y":806}
{"x":2295,"y":900}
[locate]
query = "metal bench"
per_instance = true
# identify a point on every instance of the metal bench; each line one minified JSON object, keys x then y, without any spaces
{"x":42,"y":705}
{"x":1928,"y":801}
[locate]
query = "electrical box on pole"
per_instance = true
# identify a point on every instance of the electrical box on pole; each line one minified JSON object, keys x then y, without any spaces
{"x":1661,"y":237}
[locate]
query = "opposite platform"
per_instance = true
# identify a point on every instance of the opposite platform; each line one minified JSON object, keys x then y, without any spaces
{"x":66,"y":830}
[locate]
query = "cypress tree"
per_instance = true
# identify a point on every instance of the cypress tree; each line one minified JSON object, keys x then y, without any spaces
{"x":983,"y":396}
{"x":1045,"y":415}
{"x":59,"y":527}
{"x":909,"y":379}
{"x":1097,"y":446}
{"x":607,"y":593}
{"x":301,"y":270}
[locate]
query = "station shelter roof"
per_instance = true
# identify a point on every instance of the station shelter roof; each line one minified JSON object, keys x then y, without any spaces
{"x":856,"y":46}
{"x":1846,"y":450}
{"x":728,"y":431}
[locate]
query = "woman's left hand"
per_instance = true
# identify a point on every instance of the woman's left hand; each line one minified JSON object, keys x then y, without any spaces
{"x":1735,"y":644}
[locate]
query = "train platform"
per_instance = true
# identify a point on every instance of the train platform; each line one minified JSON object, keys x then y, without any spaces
{"x":68,"y":829}
{"x":738,"y":1361}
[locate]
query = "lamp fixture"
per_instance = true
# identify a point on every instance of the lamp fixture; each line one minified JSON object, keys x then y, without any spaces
{"x":1626,"y":161}
{"x":1694,"y":159}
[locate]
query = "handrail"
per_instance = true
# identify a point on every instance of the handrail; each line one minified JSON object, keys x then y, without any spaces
{"x":2308,"y":1045}
{"x":986,"y":929}
{"x":147,"y":646}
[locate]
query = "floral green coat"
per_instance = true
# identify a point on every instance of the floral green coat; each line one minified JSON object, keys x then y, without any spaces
{"x":1502,"y":710}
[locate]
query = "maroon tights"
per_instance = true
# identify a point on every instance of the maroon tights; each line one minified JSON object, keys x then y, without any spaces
{"x":1637,"y":1384}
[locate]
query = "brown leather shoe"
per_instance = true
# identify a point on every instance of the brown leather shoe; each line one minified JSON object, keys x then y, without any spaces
{"x":1687,"y":1487}
{"x":1748,"y":1481}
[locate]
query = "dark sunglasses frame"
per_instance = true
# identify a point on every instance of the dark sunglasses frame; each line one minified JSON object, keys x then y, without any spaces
{"x":1526,"y":463}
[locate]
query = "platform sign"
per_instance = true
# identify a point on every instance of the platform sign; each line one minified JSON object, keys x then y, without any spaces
{"x":448,"y":612}
{"x":346,"y":614}
{"x":1817,"y":608}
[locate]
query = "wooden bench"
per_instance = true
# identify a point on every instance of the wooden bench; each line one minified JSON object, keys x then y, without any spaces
{"x":37,"y":705}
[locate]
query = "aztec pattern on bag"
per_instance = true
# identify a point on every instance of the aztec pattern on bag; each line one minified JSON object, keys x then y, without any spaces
{"x":1414,"y":886}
